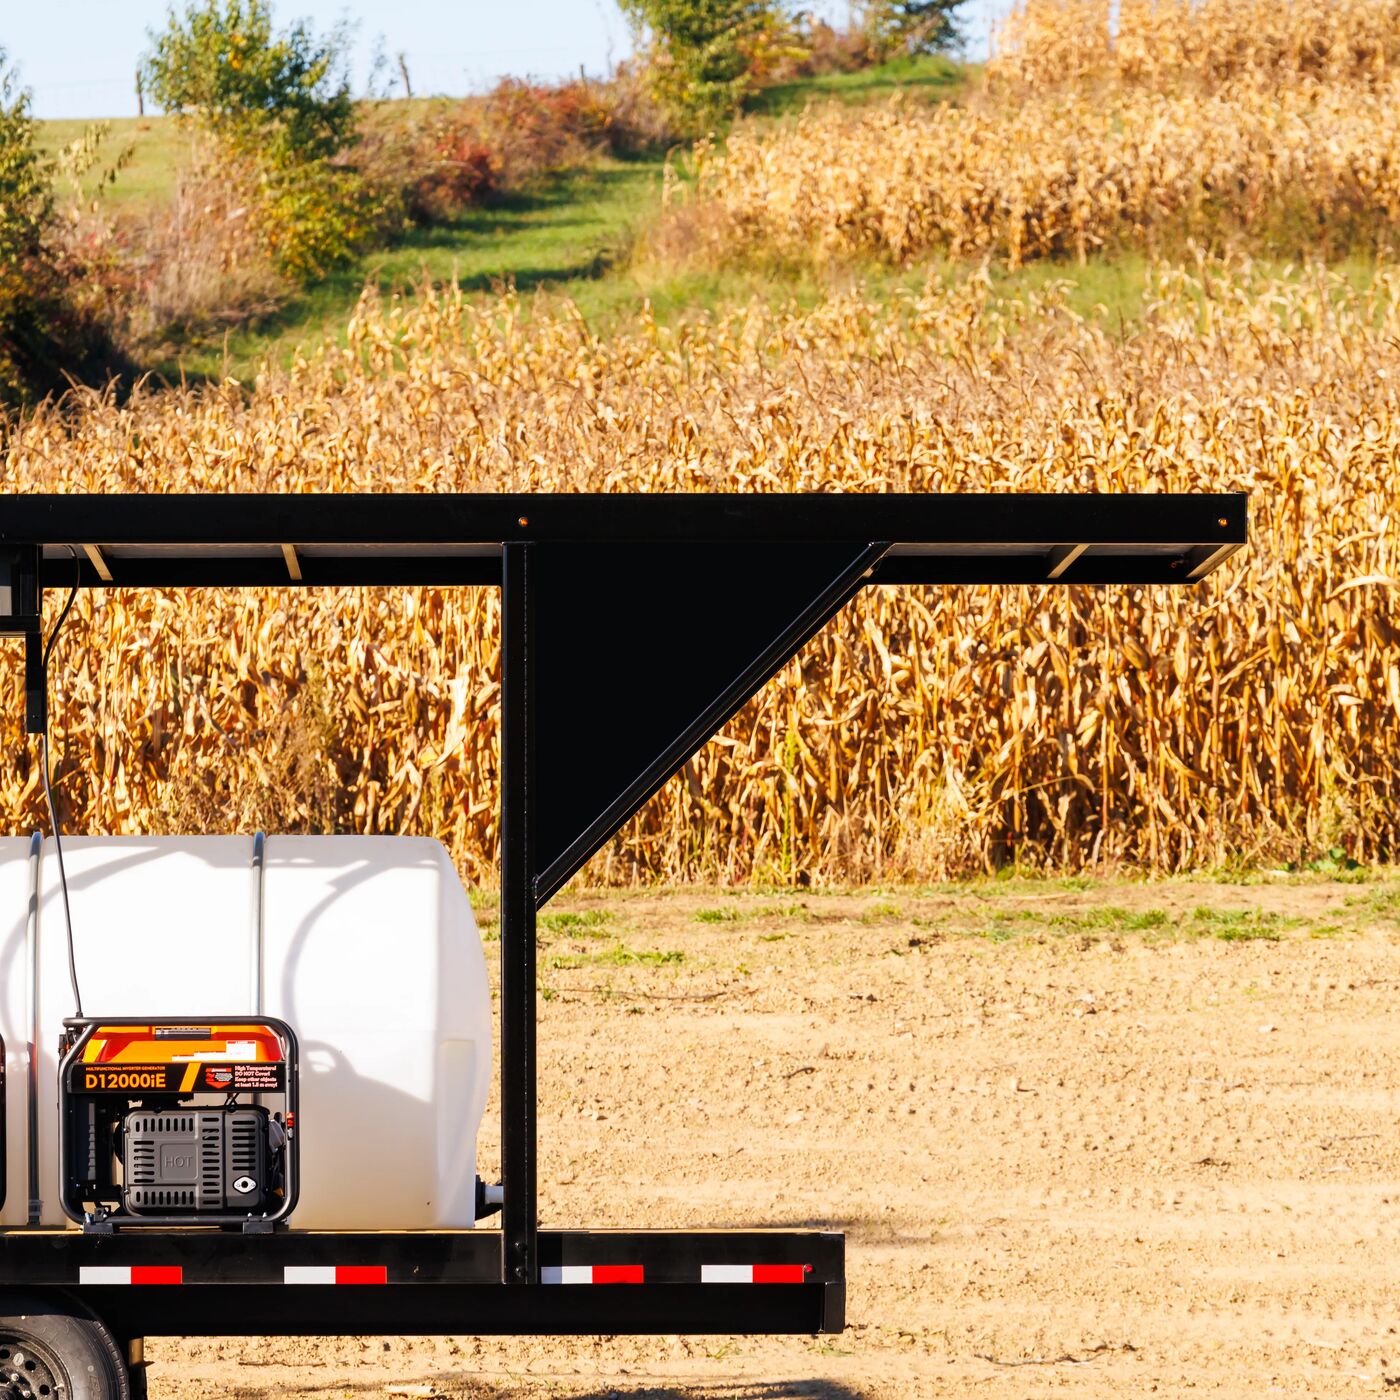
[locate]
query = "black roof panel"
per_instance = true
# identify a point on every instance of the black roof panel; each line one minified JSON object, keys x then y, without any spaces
{"x":239,"y":540}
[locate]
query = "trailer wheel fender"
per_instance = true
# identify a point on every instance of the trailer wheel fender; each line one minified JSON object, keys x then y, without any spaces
{"x":48,"y":1342}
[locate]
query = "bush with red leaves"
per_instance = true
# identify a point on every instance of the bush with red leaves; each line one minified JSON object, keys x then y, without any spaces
{"x":434,"y":160}
{"x":459,"y":171}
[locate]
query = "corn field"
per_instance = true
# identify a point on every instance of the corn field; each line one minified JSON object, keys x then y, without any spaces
{"x":1170,"y":45}
{"x":927,"y":732}
{"x":1272,"y":125}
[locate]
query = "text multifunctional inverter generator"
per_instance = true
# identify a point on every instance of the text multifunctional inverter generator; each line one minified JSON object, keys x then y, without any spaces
{"x":189,"y":1122}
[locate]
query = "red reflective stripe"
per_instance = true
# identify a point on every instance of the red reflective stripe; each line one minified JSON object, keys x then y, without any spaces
{"x":617,"y":1273}
{"x":780,"y":1273}
{"x":157,"y":1273}
{"x":361,"y":1273}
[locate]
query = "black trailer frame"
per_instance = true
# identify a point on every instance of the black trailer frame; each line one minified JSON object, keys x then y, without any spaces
{"x":706,"y":598}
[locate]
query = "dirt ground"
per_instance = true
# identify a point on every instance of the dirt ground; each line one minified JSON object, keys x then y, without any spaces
{"x":1085,"y":1140}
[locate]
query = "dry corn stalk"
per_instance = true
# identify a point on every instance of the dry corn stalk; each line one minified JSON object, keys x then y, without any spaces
{"x":927,"y":731}
{"x":1166,"y":45}
{"x":1067,"y":172}
{"x":1272,"y":123}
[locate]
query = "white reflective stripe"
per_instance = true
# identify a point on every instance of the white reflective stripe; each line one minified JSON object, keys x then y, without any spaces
{"x":726,"y":1273}
{"x":308,"y":1273}
{"x":104,"y":1273}
{"x":567,"y":1273}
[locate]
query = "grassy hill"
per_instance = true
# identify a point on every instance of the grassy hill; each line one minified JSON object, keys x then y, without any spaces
{"x":569,"y":235}
{"x":158,"y":148}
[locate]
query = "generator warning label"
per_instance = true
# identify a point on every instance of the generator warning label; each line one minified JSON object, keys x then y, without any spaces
{"x":244,"y":1078}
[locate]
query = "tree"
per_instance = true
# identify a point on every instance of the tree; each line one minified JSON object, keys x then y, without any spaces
{"x":222,"y":63}
{"x":913,"y":26}
{"x":279,"y":111}
{"x":29,"y":284}
{"x":26,"y":199}
{"x":47,"y":337}
{"x":701,"y":51}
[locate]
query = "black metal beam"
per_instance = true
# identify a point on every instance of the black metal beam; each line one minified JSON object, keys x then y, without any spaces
{"x":519,"y":1224}
{"x":1005,"y":518}
{"x":36,"y":685}
{"x":55,"y":1258}
{"x":232,"y":1310}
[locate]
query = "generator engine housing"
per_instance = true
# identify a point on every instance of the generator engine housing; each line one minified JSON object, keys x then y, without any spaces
{"x":198,"y":1161}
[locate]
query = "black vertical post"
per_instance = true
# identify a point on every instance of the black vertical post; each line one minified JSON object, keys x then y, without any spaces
{"x":519,"y":1218}
{"x":36,"y":686}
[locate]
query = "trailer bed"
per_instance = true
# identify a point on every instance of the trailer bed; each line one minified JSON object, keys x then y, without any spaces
{"x":419,"y":1283}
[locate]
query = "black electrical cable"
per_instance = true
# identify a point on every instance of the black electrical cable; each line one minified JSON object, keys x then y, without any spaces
{"x":48,"y":791}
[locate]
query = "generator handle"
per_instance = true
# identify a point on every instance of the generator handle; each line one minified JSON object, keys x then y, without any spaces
{"x":255,"y":969}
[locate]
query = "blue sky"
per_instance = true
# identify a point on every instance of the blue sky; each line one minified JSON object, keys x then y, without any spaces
{"x":79,"y":56}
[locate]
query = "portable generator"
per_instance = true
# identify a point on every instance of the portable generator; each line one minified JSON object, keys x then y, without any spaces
{"x":168,"y":1122}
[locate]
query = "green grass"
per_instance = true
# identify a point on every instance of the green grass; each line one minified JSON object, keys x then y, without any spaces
{"x":932,"y":76}
{"x":1241,"y":925}
{"x":1248,"y":933}
{"x":798,"y":912}
{"x":560,"y":237}
{"x":159,"y":148}
{"x":619,"y":955}
{"x":999,"y":932}
{"x":880,"y":913}
{"x":1111,"y":919}
{"x":569,"y":236}
{"x":1157,"y":925}
{"x":574,"y":925}
{"x":1383,"y":904}
{"x":726,"y":915}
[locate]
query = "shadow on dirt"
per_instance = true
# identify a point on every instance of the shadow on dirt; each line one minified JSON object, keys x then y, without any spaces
{"x":462,"y":1387}
{"x":761,"y":1390}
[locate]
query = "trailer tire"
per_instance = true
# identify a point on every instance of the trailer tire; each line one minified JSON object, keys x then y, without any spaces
{"x":52,"y":1349}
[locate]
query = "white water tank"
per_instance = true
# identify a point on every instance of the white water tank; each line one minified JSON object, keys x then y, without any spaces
{"x":369,"y":951}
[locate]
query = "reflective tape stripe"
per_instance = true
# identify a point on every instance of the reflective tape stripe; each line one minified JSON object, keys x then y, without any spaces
{"x":128,"y":1274}
{"x":337,"y":1273}
{"x":592,"y":1273}
{"x":754,"y":1273}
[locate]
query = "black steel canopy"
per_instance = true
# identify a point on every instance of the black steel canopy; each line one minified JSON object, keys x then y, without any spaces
{"x":634,"y":627}
{"x":245,"y":540}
